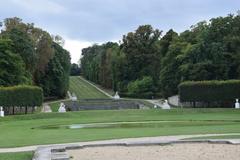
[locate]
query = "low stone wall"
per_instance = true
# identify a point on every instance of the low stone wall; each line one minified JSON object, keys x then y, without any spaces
{"x":175,"y":102}
{"x":107,"y":104}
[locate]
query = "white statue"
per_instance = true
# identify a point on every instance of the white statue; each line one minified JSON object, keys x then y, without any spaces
{"x":116,"y":96}
{"x":74,"y":97}
{"x":69,"y":95}
{"x":165,"y":105}
{"x":62,"y":108}
{"x":237,"y":104}
{"x":1,"y":112}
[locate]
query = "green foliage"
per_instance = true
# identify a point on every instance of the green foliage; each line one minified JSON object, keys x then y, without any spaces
{"x":24,"y":46}
{"x":114,"y":66}
{"x":21,"y":96}
{"x":140,"y":48}
{"x":207,"y":51}
{"x":100,"y":64}
{"x":145,"y":95}
{"x":141,"y":85}
{"x":209,"y":91}
{"x":75,"y":70}
{"x":12,"y":70}
{"x":55,"y":81}
{"x":29,"y":55}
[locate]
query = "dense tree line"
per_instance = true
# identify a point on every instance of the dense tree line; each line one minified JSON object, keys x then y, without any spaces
{"x":31,"y":56}
{"x":75,"y":70}
{"x":145,"y":61}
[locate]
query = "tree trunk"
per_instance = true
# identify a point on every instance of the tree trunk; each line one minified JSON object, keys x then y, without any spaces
{"x":194,"y":104}
{"x":13,"y":111}
{"x":26,"y":110}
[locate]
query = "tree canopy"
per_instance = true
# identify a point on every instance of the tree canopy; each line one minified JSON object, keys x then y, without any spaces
{"x":207,"y":51}
{"x":29,"y":55}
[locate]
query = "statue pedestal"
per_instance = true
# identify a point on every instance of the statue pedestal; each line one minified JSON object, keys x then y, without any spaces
{"x":237,"y":106}
{"x":1,"y":113}
{"x":116,"y":96}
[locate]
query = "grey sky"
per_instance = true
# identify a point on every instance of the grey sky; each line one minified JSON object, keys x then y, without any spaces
{"x":83,"y":22}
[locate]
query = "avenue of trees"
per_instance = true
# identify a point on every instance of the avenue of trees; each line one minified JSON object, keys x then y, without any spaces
{"x":147,"y":62}
{"x":31,"y":56}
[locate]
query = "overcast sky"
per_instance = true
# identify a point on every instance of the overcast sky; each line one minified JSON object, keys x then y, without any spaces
{"x":84,"y":22}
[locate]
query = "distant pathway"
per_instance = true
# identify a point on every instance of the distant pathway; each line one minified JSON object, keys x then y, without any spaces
{"x":160,"y":139}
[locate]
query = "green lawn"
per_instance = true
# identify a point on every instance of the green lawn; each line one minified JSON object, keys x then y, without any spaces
{"x":25,"y":130}
{"x":54,"y":106}
{"x":83,"y":90}
{"x":16,"y":156}
{"x":216,"y":137}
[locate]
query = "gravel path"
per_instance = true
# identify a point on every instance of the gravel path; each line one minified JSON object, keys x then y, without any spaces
{"x":196,"y":151}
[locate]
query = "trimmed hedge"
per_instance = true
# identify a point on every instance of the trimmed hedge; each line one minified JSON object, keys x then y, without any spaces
{"x":147,"y":95}
{"x":21,"y":96}
{"x":209,"y":91}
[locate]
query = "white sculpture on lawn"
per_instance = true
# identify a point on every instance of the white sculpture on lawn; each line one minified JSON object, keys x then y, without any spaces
{"x":166,"y":105}
{"x":237,"y":106}
{"x":74,"y":97}
{"x":1,"y":112}
{"x":116,"y":96}
{"x":62,"y":108}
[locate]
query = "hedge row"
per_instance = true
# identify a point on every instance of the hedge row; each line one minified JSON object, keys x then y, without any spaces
{"x":21,"y":96}
{"x":147,"y":95}
{"x":209,"y":91}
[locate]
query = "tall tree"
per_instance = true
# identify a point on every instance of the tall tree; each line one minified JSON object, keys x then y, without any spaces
{"x":12,"y":71}
{"x":140,"y":48}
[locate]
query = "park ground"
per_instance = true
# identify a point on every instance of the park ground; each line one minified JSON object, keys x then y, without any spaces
{"x":43,"y":128}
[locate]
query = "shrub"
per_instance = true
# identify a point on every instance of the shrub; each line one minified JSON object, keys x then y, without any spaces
{"x":147,"y":95}
{"x":209,"y":91}
{"x":21,"y":96}
{"x":141,"y":86}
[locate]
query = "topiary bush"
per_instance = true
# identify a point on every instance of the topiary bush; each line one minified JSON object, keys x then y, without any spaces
{"x":29,"y":96}
{"x":147,"y":95}
{"x":209,"y":91}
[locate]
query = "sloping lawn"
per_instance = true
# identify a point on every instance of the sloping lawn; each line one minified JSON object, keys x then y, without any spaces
{"x":83,"y":90}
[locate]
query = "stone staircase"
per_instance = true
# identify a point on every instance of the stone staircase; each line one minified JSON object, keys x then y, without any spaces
{"x":49,"y":153}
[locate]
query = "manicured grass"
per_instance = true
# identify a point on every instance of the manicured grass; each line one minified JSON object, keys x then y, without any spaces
{"x":216,"y":137}
{"x":16,"y":156}
{"x":54,"y":106}
{"x":24,"y":130}
{"x":83,"y":90}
